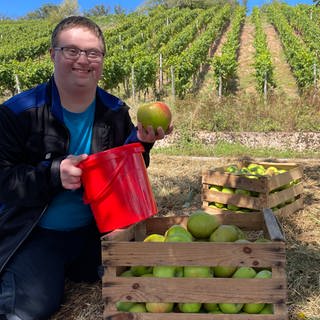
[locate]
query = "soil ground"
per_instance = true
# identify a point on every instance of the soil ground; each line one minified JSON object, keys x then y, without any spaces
{"x":177,"y":187}
{"x":247,"y":83}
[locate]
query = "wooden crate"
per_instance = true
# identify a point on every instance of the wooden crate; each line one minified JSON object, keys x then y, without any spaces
{"x":122,"y":249}
{"x":270,"y":190}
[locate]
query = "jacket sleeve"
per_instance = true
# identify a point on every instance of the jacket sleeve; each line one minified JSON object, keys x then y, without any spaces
{"x":22,"y":183}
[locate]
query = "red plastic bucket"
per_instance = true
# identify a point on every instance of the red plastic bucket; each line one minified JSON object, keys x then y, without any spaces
{"x":117,"y":187}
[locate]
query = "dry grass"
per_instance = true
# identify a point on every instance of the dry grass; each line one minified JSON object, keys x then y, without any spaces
{"x":177,"y":186}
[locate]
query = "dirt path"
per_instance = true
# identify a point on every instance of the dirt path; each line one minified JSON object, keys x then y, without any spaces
{"x":246,"y":79}
{"x":208,"y":86}
{"x":284,"y":78}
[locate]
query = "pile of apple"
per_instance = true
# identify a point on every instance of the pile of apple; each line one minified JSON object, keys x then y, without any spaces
{"x":252,"y":171}
{"x":201,"y":226}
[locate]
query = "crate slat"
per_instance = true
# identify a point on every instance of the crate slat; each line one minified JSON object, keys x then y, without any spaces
{"x":192,"y":254}
{"x":194,"y":316}
{"x":218,"y":290}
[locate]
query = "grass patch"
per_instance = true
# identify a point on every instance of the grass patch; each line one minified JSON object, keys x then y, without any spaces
{"x":225,"y":149}
{"x":249,"y":113}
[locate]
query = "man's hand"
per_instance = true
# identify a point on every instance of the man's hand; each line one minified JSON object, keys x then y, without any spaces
{"x":70,"y":174}
{"x":149,"y":135}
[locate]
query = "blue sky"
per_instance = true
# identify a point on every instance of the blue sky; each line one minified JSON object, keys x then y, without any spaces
{"x":18,"y":8}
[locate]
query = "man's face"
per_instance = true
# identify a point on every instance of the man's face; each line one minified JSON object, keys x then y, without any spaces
{"x":80,"y":71}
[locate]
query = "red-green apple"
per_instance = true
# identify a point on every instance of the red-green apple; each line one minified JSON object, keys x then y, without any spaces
{"x":156,"y":114}
{"x":159,"y":307}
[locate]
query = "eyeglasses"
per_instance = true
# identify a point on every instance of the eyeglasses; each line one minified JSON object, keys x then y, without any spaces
{"x":73,"y":53}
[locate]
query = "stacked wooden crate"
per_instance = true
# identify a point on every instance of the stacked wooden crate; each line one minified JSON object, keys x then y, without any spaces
{"x":282,"y":192}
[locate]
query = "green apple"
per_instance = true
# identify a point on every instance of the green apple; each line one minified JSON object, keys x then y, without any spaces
{"x":212,"y":205}
{"x":241,"y":233}
{"x":179,"y":272}
{"x":164,"y":271}
{"x":224,"y":271}
{"x":191,"y":307}
{"x":124,"y":305}
{"x":227,"y":190}
{"x":256,"y":168}
{"x":201,"y":224}
{"x":242,"y":241}
{"x":253,"y":308}
{"x":232,"y":168}
{"x":242,"y":192}
{"x":154,"y":238}
{"x":126,"y":273}
{"x":230,"y":191}
{"x":177,"y":229}
{"x":159,"y":307}
{"x":216,"y":312}
{"x":230,"y":308}
{"x":215,"y":188}
{"x":232,"y":207}
{"x":220,"y":205}
{"x":271,"y":171}
{"x":245,"y":273}
{"x":178,"y":237}
{"x":210,"y":306}
{"x":244,"y":171}
{"x":268,"y":309}
{"x":138,"y":271}
{"x":264,"y":274}
{"x":225,"y":233}
{"x":138,"y":307}
{"x":197,"y":272}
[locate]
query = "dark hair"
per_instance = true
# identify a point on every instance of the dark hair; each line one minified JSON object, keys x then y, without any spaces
{"x":76,"y":21}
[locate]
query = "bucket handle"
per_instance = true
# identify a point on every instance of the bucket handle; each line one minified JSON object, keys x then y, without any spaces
{"x":105,"y":189}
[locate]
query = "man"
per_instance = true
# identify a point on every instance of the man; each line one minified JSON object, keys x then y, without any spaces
{"x":46,"y":231}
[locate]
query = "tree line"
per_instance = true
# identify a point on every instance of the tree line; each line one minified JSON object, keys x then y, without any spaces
{"x":53,"y":12}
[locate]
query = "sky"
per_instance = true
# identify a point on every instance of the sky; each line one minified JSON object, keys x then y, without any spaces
{"x":18,"y":8}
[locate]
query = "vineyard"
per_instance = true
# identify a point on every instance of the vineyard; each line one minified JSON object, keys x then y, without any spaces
{"x":167,"y":52}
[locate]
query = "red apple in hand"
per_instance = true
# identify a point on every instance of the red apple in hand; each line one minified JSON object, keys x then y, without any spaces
{"x":156,"y":114}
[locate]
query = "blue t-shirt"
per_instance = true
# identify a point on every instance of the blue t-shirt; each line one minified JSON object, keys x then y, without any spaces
{"x":67,"y":210}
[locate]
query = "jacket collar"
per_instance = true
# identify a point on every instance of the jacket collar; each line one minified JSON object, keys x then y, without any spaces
{"x":104,"y":98}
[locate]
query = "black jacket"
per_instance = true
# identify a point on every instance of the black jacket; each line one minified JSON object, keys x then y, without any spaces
{"x":33,"y":142}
